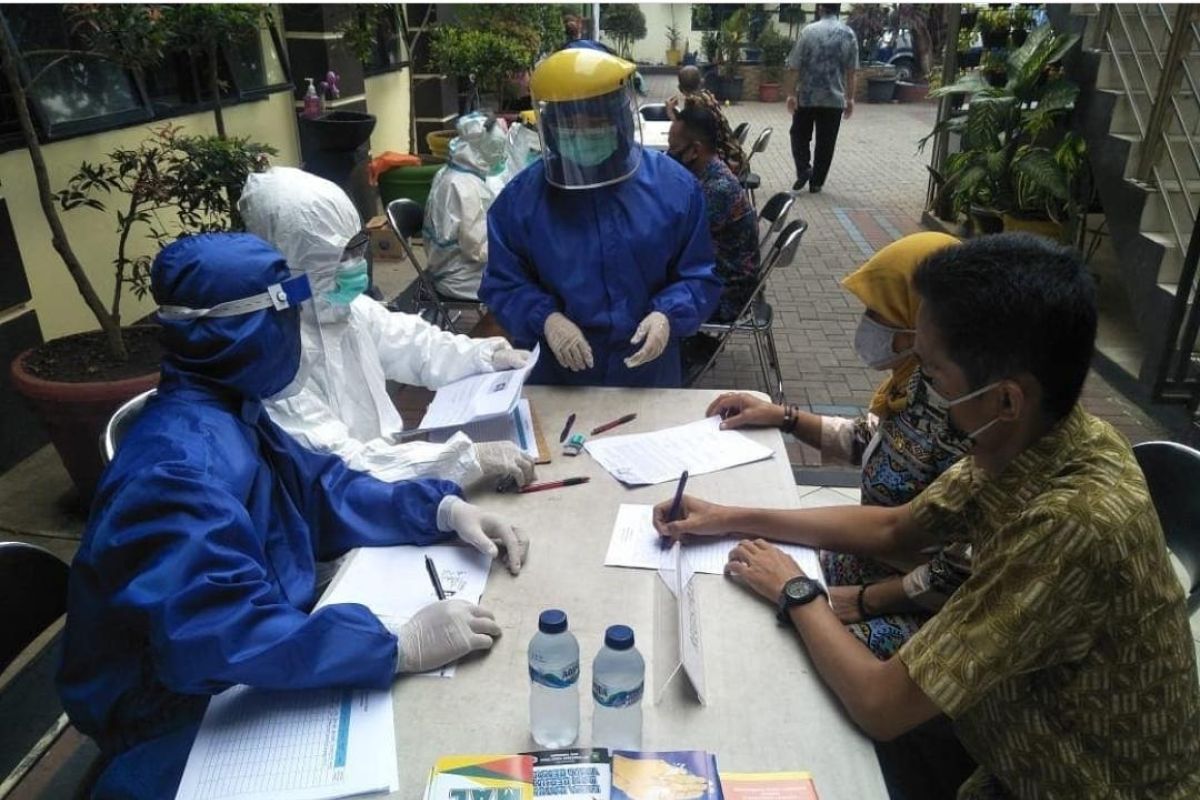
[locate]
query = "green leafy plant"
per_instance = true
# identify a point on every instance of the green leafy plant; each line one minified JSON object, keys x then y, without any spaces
{"x":625,"y":23}
{"x":673,"y":37}
{"x":775,"y":50}
{"x":732,"y":37}
{"x":537,"y":26}
{"x":1021,"y":19}
{"x":710,"y":43}
{"x":993,"y":19}
{"x":487,"y":58}
{"x":170,"y":185}
{"x":1015,"y":154}
{"x":360,"y":27}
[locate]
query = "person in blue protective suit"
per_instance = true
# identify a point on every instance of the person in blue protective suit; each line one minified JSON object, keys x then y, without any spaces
{"x":601,"y":250}
{"x":197,"y":569}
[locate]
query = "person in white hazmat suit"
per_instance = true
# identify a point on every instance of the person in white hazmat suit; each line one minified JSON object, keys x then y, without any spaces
{"x":342,"y":406}
{"x":455,"y":231}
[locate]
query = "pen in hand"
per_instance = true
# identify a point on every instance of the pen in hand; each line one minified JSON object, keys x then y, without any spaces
{"x":665,"y":541}
{"x":431,"y":568}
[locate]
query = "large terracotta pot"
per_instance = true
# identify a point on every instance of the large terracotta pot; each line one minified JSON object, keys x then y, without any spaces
{"x":75,"y":415}
{"x":768,"y":92}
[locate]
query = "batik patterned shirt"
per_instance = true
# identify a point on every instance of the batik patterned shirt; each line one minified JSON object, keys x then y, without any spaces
{"x":733,"y":226}
{"x":1065,"y":660}
{"x":824,"y":52}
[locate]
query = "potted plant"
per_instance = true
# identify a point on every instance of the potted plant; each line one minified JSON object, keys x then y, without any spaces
{"x":486,"y":59}
{"x":625,"y":23}
{"x":710,"y":43}
{"x":673,"y":54}
{"x":1017,"y":163}
{"x":993,"y":25}
{"x":1022,"y":21}
{"x":775,"y":50}
{"x":731,"y":37}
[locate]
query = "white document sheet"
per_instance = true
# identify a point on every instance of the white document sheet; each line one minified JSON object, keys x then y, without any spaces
{"x":306,"y":745}
{"x":698,"y":447}
{"x":636,"y":544}
{"x":476,"y":397}
{"x":393,"y":583}
{"x":516,"y":427}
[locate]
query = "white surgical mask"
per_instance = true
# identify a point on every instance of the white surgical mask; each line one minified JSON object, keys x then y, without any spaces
{"x":938,"y":401}
{"x":873,"y":343}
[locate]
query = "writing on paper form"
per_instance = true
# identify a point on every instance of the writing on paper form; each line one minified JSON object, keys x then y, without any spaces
{"x":302,"y":745}
{"x":635,"y":544}
{"x":698,"y":447}
{"x":393,"y":583}
{"x":476,"y":397}
{"x":516,"y":427}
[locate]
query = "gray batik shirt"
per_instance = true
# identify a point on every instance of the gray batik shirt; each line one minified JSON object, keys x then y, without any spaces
{"x":822,"y":54}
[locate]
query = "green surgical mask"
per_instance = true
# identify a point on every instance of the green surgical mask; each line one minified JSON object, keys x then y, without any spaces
{"x":351,"y":281}
{"x":587,"y":147}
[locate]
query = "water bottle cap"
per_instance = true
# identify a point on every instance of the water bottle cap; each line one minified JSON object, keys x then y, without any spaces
{"x":552,"y":620}
{"x":618,"y":637}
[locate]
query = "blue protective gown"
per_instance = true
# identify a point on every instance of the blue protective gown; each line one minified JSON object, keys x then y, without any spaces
{"x":605,"y":258}
{"x":196,"y":571}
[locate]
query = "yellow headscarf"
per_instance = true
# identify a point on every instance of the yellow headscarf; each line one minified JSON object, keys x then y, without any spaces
{"x":884,"y":285}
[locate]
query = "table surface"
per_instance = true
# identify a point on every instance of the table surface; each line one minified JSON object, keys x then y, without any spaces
{"x":654,"y":134}
{"x":767,"y":708}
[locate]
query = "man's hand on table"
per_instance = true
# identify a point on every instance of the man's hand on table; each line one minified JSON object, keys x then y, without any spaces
{"x":763,"y":567}
{"x":489,"y":533}
{"x":441,"y":633}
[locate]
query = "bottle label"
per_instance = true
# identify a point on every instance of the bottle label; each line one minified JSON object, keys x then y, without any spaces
{"x":610,"y":698}
{"x":563,"y":679}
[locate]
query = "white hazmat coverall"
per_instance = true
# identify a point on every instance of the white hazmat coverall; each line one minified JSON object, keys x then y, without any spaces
{"x":343,"y":406}
{"x":455,"y":232}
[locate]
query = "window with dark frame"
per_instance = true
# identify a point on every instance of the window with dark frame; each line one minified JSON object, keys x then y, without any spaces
{"x":80,"y":95}
{"x":386,"y":55}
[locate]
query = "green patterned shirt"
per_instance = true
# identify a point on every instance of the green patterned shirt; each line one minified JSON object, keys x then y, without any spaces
{"x":1065,"y":660}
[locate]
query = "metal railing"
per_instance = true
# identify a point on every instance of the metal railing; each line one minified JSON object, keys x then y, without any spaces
{"x":1155,"y":67}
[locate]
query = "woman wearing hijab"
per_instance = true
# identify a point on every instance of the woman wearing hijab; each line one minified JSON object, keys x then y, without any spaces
{"x":902,"y":444}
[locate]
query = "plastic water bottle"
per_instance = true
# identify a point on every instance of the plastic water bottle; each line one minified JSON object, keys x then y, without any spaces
{"x":618,"y":676}
{"x":554,"y":682}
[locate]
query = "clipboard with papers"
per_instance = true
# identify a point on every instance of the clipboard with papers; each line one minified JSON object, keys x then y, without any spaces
{"x":479,"y":397}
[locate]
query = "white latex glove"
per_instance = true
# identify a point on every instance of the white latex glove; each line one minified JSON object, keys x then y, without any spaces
{"x":443,"y":632}
{"x":504,"y":460}
{"x":486,"y":532}
{"x":508,"y":358}
{"x":567,"y":342}
{"x":655,"y":329}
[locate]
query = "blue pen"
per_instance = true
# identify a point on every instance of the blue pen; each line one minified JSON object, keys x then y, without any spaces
{"x":674,"y":515}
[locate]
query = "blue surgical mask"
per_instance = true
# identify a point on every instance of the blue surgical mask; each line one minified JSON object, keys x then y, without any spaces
{"x":873,"y":343}
{"x":587,"y":147}
{"x":351,"y":281}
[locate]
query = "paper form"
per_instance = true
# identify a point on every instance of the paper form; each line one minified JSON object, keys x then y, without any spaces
{"x":476,"y":397}
{"x":303,"y":745}
{"x":393,"y":583}
{"x":635,"y":544}
{"x":698,"y":447}
{"x":516,"y":427}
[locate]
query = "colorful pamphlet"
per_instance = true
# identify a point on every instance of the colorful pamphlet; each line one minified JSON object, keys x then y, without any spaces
{"x":481,"y":777}
{"x":768,"y":786}
{"x":680,"y":775}
{"x":572,"y":774}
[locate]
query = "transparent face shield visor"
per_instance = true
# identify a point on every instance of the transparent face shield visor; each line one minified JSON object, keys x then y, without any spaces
{"x":593,"y":142}
{"x":295,"y":292}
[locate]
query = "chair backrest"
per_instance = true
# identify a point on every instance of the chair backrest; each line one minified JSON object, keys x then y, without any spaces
{"x":654,"y":112}
{"x":759,"y":145}
{"x":33,"y":593}
{"x":1172,"y":473}
{"x":741,"y":131}
{"x":775,"y":213}
{"x":119,"y":422}
{"x":407,"y":219}
{"x":781,"y":254}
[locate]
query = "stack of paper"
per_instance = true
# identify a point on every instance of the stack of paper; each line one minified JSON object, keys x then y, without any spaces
{"x":698,"y":447}
{"x":516,"y":427}
{"x":477,"y":397}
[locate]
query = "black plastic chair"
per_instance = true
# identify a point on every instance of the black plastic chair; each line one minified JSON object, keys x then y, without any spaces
{"x":749,"y":180}
{"x":775,"y":214}
{"x":757,"y":318}
{"x":34,"y":581}
{"x":654,"y":112}
{"x":1172,"y":473}
{"x":741,"y":132}
{"x":407,"y":219}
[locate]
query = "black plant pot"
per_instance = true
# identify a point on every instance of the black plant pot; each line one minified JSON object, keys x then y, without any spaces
{"x":730,"y":89}
{"x":1019,"y":35}
{"x":986,"y":220}
{"x":995,"y":39}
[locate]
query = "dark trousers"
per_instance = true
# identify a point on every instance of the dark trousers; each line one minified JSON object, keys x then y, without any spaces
{"x":826,"y":121}
{"x":927,"y":763}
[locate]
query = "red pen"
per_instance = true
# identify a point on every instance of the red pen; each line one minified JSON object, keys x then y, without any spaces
{"x":608,"y":426}
{"x":538,"y":487}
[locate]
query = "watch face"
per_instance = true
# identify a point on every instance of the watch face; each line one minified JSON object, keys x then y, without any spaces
{"x":800,"y":589}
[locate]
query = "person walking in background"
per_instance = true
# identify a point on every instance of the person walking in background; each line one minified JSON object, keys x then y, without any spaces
{"x":824,"y":59}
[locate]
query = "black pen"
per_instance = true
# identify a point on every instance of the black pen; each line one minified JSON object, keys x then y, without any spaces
{"x":562,"y":437}
{"x":431,"y":568}
{"x":674,"y":515}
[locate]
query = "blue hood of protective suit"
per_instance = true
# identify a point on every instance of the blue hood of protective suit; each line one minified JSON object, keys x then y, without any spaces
{"x":251,"y":355}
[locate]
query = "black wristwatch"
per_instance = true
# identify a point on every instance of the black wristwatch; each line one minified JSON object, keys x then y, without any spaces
{"x":797,"y":592}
